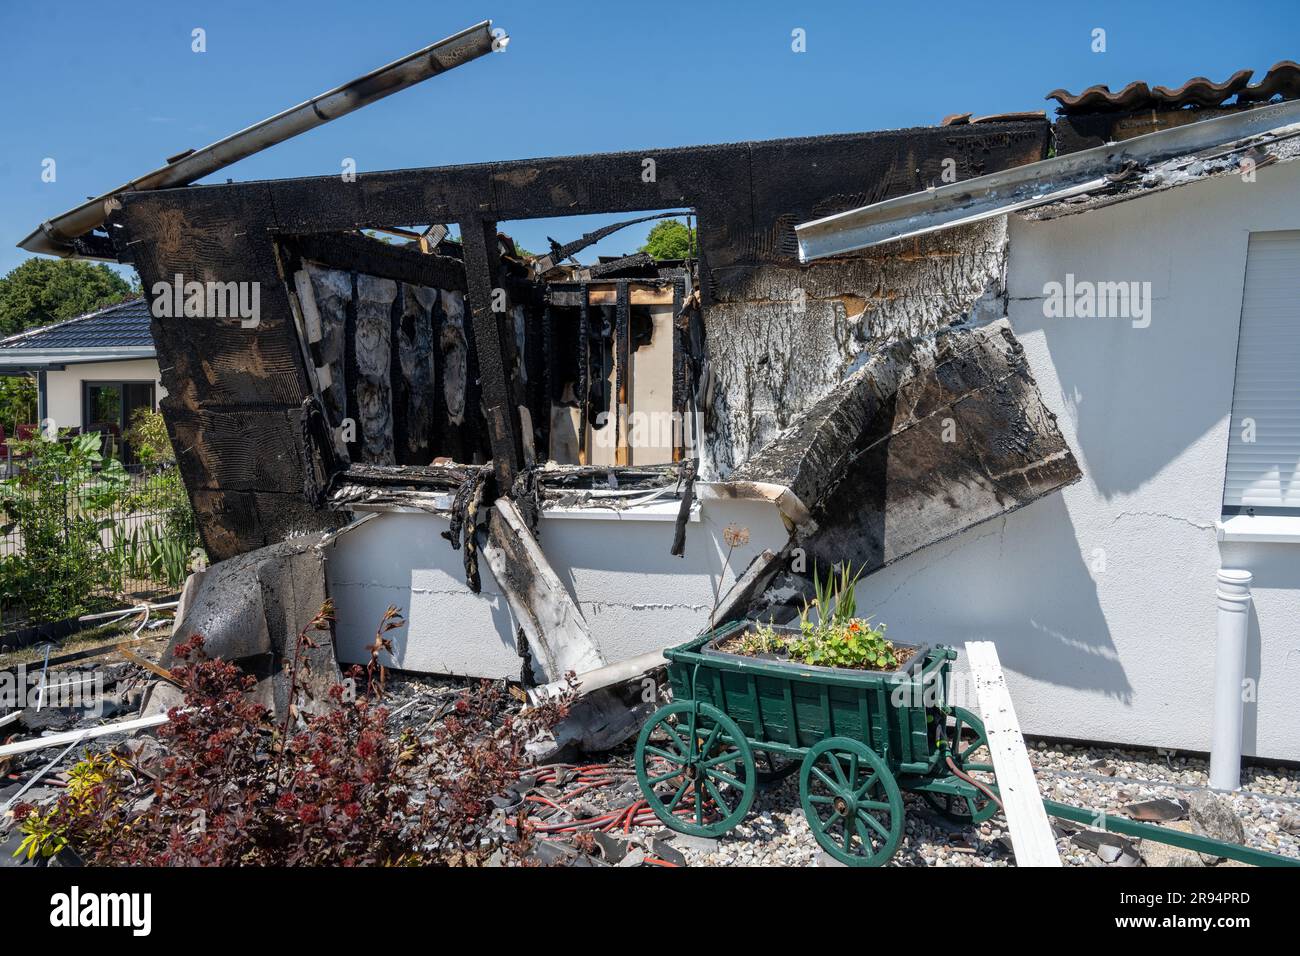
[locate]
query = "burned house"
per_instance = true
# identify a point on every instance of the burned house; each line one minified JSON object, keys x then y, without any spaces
{"x":558,"y":467}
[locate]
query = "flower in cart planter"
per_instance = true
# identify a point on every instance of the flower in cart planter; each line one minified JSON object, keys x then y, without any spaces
{"x":833,"y":637}
{"x":856,"y":644}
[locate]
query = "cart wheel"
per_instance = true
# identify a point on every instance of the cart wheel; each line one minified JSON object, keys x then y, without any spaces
{"x":852,"y":802}
{"x":972,"y":757}
{"x":697,"y":779}
{"x":771,"y":768}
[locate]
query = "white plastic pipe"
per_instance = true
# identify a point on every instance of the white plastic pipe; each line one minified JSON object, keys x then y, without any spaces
{"x":1229,"y":675}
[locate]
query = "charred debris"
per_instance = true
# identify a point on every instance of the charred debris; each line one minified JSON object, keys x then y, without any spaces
{"x":405,"y":355}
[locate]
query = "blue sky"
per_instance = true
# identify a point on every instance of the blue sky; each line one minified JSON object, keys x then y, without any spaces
{"x":110,"y":89}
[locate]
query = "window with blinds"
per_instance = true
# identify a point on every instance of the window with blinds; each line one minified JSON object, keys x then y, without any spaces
{"x":1263,"y":475}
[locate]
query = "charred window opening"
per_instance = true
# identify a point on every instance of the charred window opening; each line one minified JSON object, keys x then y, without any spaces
{"x":592,"y":352}
{"x":617,"y":401}
{"x":611,"y":353}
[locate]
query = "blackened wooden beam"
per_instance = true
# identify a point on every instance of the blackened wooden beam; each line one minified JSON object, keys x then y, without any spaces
{"x":357,"y":253}
{"x":482,"y":264}
{"x":679,"y":372}
{"x":584,"y":372}
{"x":622,"y":374}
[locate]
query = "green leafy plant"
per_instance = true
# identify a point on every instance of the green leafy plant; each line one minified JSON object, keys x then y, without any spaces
{"x":45,"y":834}
{"x":834,"y":599}
{"x":763,"y":639}
{"x":148,"y":438}
{"x":836,"y":636}
{"x":856,"y":644}
{"x":59,"y":507}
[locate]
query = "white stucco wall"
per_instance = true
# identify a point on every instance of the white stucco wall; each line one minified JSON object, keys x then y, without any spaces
{"x":1101,"y":599}
{"x":63,"y":389}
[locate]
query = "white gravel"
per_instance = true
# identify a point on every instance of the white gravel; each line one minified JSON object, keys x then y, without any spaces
{"x":775,"y":832}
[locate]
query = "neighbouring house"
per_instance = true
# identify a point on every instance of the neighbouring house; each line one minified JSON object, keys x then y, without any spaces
{"x":92,"y":372}
{"x":929,"y":401}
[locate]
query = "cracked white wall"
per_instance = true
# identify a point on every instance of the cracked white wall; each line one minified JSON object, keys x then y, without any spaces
{"x":1101,"y":599}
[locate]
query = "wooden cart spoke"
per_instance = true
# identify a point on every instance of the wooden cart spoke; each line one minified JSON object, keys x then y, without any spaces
{"x":726,"y":778}
{"x":731,"y":756}
{"x":664,"y":777}
{"x":839,"y":771}
{"x":677,"y":797}
{"x":717,"y":796}
{"x":821,"y":775}
{"x":678,"y":742}
{"x":863,"y":790}
{"x":875,"y":824}
{"x":665,"y":755}
{"x":710,"y":741}
{"x":845,"y":813}
{"x":708,"y":810}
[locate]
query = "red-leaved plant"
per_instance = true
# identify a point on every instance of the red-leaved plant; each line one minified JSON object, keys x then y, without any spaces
{"x":232,"y":788}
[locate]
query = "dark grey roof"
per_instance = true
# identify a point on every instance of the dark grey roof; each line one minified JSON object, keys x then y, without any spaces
{"x":125,"y":325}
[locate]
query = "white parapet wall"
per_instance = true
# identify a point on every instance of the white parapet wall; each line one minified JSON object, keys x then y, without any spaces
{"x":635,"y":596}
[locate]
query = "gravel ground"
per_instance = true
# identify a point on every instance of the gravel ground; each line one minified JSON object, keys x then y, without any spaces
{"x":776,"y":834}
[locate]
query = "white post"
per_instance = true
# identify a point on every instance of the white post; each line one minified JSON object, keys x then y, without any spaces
{"x":1229,"y":676}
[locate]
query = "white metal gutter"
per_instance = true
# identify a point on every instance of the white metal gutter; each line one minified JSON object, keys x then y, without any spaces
{"x":1033,"y":184}
{"x":25,"y":358}
{"x":55,"y":236}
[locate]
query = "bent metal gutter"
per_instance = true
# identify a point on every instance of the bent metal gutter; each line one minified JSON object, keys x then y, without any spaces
{"x":56,"y":236}
{"x":1022,"y":187}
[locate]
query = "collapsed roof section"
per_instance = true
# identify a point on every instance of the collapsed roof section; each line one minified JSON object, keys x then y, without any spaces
{"x":931,"y":436}
{"x":349,"y":326}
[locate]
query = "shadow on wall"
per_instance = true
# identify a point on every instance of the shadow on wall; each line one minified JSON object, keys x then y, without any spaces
{"x":1140,"y":393}
{"x":1019,"y":581}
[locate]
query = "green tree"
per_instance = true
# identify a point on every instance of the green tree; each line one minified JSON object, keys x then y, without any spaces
{"x":17,"y":402}
{"x":670,"y":239}
{"x":42,"y":291}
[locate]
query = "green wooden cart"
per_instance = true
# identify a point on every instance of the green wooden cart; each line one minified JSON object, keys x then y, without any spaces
{"x":858,"y":739}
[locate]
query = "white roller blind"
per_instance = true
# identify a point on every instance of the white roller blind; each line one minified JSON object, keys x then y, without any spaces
{"x":1265,"y":473}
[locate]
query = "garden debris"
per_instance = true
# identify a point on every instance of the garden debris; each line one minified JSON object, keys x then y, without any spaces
{"x":1109,"y":847}
{"x":249,"y":609}
{"x":590,"y":809}
{"x":556,"y":630}
{"x":1214,"y":817}
{"x":1157,"y":811}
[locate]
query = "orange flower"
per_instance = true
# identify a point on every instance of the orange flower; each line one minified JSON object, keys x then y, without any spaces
{"x":854,"y":626}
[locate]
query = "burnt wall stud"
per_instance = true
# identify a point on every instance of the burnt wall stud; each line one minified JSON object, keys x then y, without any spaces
{"x":482,"y":264}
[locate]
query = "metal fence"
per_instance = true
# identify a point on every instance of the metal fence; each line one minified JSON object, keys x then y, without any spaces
{"x":71,"y":546}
